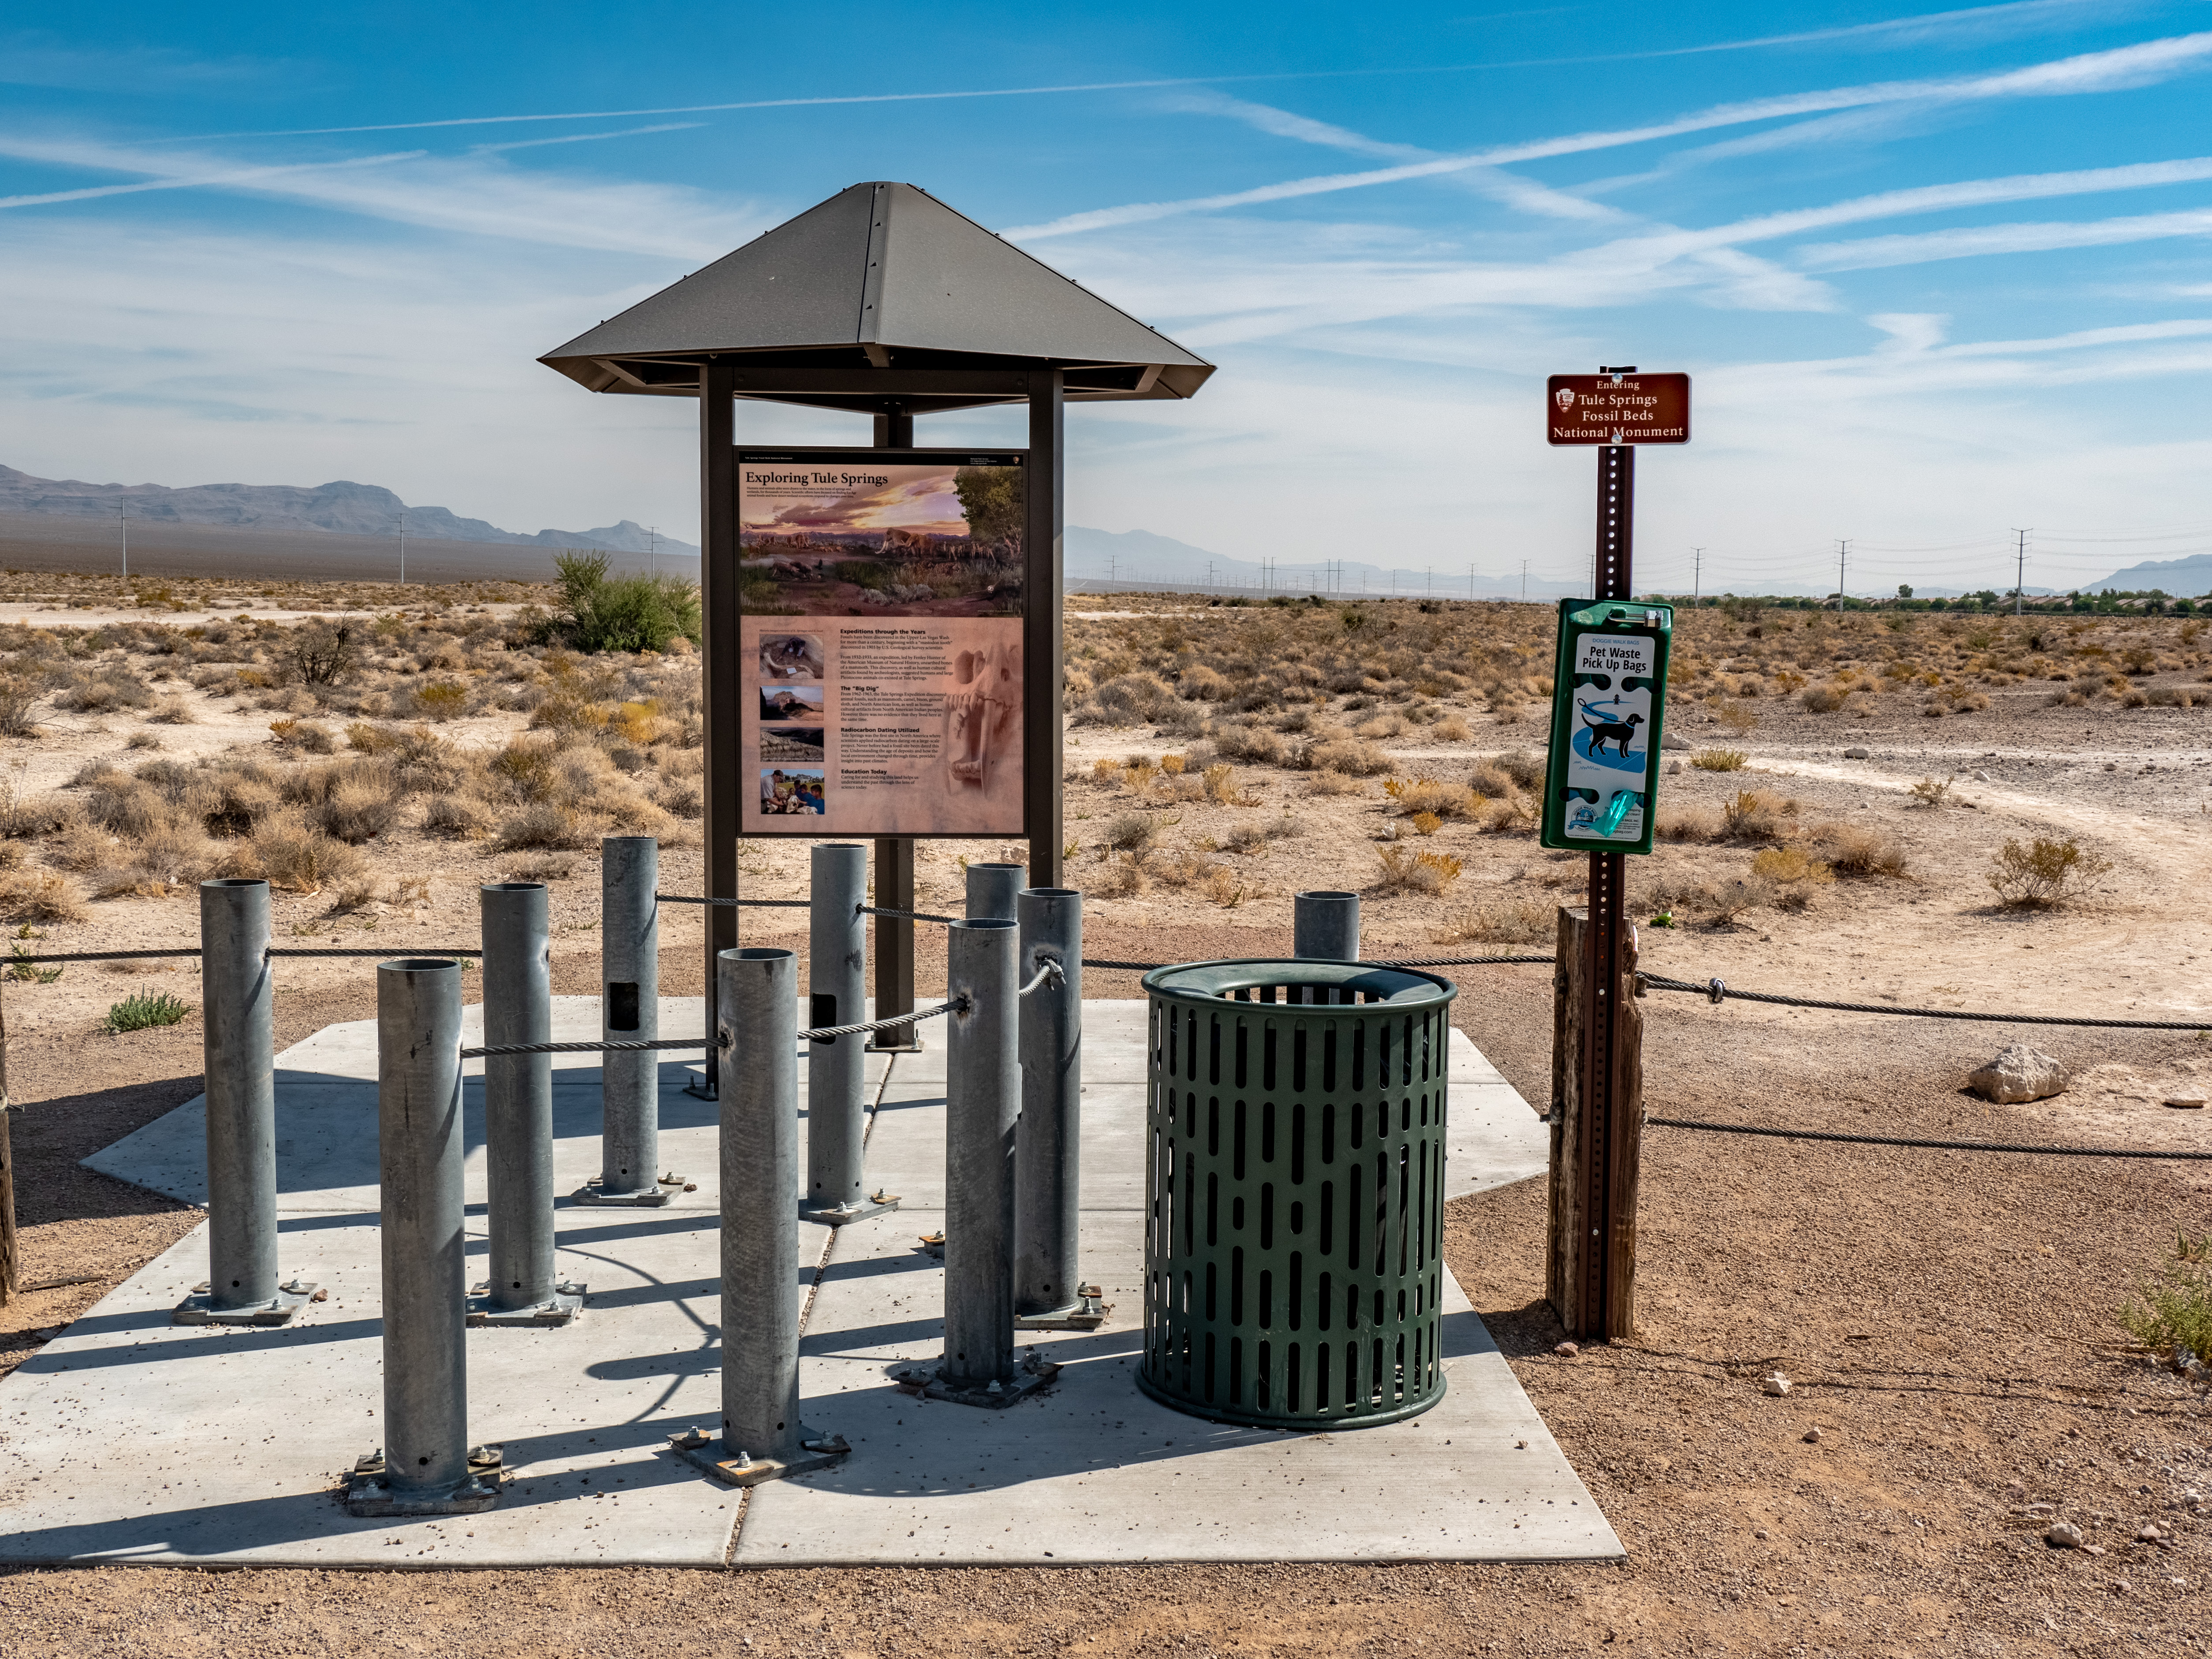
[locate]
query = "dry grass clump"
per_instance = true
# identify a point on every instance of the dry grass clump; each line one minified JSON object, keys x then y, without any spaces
{"x":1343,"y":753}
{"x":1759,"y":815}
{"x":40,"y":896}
{"x":1501,"y":918}
{"x":1411,"y":798}
{"x":1719,"y":760}
{"x":288,"y":852}
{"x":1690,"y":823}
{"x":1405,"y":870}
{"x":1793,"y":872}
{"x":309,"y":735}
{"x":1825,"y":698}
{"x":1124,"y":877}
{"x":1929,"y":792}
{"x":1860,"y":849}
{"x":1334,"y":783}
{"x":1132,"y":831}
{"x":2048,"y":871}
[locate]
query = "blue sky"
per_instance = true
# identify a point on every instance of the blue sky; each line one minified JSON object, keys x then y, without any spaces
{"x":1937,"y":275}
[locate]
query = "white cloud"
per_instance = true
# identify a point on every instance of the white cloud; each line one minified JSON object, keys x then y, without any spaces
{"x":1875,"y":252}
{"x":2100,"y":72}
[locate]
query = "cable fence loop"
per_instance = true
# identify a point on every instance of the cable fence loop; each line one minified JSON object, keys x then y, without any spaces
{"x":957,"y":1005}
{"x":907,"y":916}
{"x":1050,"y":973}
{"x":1917,"y":1141}
{"x":1717,"y":989}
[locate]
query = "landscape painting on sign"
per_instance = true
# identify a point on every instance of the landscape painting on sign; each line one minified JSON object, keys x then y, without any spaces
{"x":821,"y":536}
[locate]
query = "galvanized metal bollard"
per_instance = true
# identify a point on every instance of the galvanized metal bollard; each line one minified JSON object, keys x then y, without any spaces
{"x":1048,"y":1150}
{"x":521,"y":1288}
{"x":427,"y":1466}
{"x":994,"y":891}
{"x":1325,"y":927}
{"x":239,"y":1064}
{"x":982,"y":1103}
{"x":836,"y":1067}
{"x":756,"y":1030}
{"x":629,"y":1012}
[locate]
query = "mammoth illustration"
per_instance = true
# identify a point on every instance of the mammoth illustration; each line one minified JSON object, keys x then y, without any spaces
{"x":979,"y":713}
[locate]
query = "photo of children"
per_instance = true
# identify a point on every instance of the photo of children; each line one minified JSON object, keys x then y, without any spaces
{"x":789,"y":703}
{"x":869,"y":539}
{"x":791,"y":743}
{"x":791,"y":657}
{"x":787,"y":790}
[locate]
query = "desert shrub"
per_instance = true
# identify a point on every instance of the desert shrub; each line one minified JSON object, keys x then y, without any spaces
{"x":1726,"y":901}
{"x":1247,"y":837}
{"x":1824,"y":699}
{"x":1441,"y":801}
{"x":1734,"y":716}
{"x":1425,"y":823}
{"x":1226,"y":889}
{"x":2050,"y":870}
{"x":682,"y":800}
{"x":600,"y":613}
{"x":1503,"y":919}
{"x":173,"y":711}
{"x":288,"y":852}
{"x":1789,"y":864}
{"x":42,"y":815}
{"x":544,"y":867}
{"x":1515,"y":815}
{"x":322,"y":653}
{"x":1130,"y":831}
{"x":1346,"y":754}
{"x":2172,"y":1312}
{"x":1860,"y":849}
{"x":1334,"y":783}
{"x":1200,"y":682}
{"x":1125,"y":700}
{"x":1526,"y":770}
{"x":1407,"y":870}
{"x":1452,"y":728}
{"x":117,"y":687}
{"x":18,"y":694}
{"x":440,"y":699}
{"x":544,"y":824}
{"x":1759,"y":815}
{"x":1493,"y":781}
{"x":1382,"y":726}
{"x":460,"y":815}
{"x":140,"y":1011}
{"x":1689,"y":823}
{"x":1257,"y":743}
{"x":40,"y":896}
{"x":1122,"y":878}
{"x":1931,"y":792}
{"x":1719,"y":760}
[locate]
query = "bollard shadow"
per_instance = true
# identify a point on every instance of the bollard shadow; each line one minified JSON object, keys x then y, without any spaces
{"x":239,"y":1340}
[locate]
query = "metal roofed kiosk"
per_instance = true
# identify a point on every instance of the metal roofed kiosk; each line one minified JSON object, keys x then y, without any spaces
{"x":884,"y":301}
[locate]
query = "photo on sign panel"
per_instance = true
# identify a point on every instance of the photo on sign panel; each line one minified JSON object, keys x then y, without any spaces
{"x":791,"y":703}
{"x":791,"y":657}
{"x":793,"y":792}
{"x":791,"y":743}
{"x":868,"y":538}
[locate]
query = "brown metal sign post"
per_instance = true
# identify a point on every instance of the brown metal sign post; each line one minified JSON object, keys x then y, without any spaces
{"x":1597,"y":1062}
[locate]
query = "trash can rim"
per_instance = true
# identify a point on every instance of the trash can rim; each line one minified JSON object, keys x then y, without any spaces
{"x":1208,"y":982}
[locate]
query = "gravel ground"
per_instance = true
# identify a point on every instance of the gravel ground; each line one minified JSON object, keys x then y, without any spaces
{"x":1946,"y":1318}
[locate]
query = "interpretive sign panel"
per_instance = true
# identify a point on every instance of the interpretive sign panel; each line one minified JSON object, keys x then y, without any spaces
{"x":880,"y":598}
{"x":1608,"y":697}
{"x":1618,"y":409}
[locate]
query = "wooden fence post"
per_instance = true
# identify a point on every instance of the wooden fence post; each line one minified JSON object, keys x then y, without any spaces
{"x":11,"y":1264}
{"x":1597,"y":1140}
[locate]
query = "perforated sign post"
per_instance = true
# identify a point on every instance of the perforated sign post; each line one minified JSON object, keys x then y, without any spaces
{"x":1609,"y":699}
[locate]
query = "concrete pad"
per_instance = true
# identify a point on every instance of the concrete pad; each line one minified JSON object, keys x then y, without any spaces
{"x":128,"y":1439}
{"x":1093,"y":1472}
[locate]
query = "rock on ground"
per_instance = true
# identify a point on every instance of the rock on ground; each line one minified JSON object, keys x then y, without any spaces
{"x":2018,"y":1074}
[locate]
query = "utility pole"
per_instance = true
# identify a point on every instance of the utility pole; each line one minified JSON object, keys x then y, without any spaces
{"x":1470,"y":583}
{"x":1697,"y":574}
{"x":1432,"y":581}
{"x":1842,"y":548}
{"x":1524,"y":581}
{"x":2020,"y":575}
{"x":122,"y":512}
{"x":653,"y":549}
{"x":402,"y":547}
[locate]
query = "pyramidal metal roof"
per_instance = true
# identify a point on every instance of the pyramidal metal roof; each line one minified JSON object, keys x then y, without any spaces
{"x":880,"y":294}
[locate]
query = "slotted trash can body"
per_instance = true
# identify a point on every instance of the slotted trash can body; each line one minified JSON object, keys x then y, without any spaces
{"x":1294,"y":1191}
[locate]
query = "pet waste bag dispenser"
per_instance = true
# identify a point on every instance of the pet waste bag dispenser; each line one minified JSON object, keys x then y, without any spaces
{"x":1609,"y":699}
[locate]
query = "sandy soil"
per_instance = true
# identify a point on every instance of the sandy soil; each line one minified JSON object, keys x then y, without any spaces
{"x":1946,"y":1317}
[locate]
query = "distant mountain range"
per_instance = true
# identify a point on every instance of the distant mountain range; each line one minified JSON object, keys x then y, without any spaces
{"x":345,"y":508}
{"x":2182,"y":578}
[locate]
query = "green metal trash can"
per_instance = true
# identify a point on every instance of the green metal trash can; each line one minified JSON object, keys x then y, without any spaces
{"x":1294,"y":1172}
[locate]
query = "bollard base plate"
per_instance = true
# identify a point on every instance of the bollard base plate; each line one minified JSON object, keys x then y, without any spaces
{"x":368,"y":1496}
{"x":561,"y":1308}
{"x":836,"y":1215}
{"x":911,"y":1046}
{"x":1086,"y":1313}
{"x":925,"y":1379}
{"x":652,"y":1197}
{"x":199,"y":1307}
{"x":706,"y":1452}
